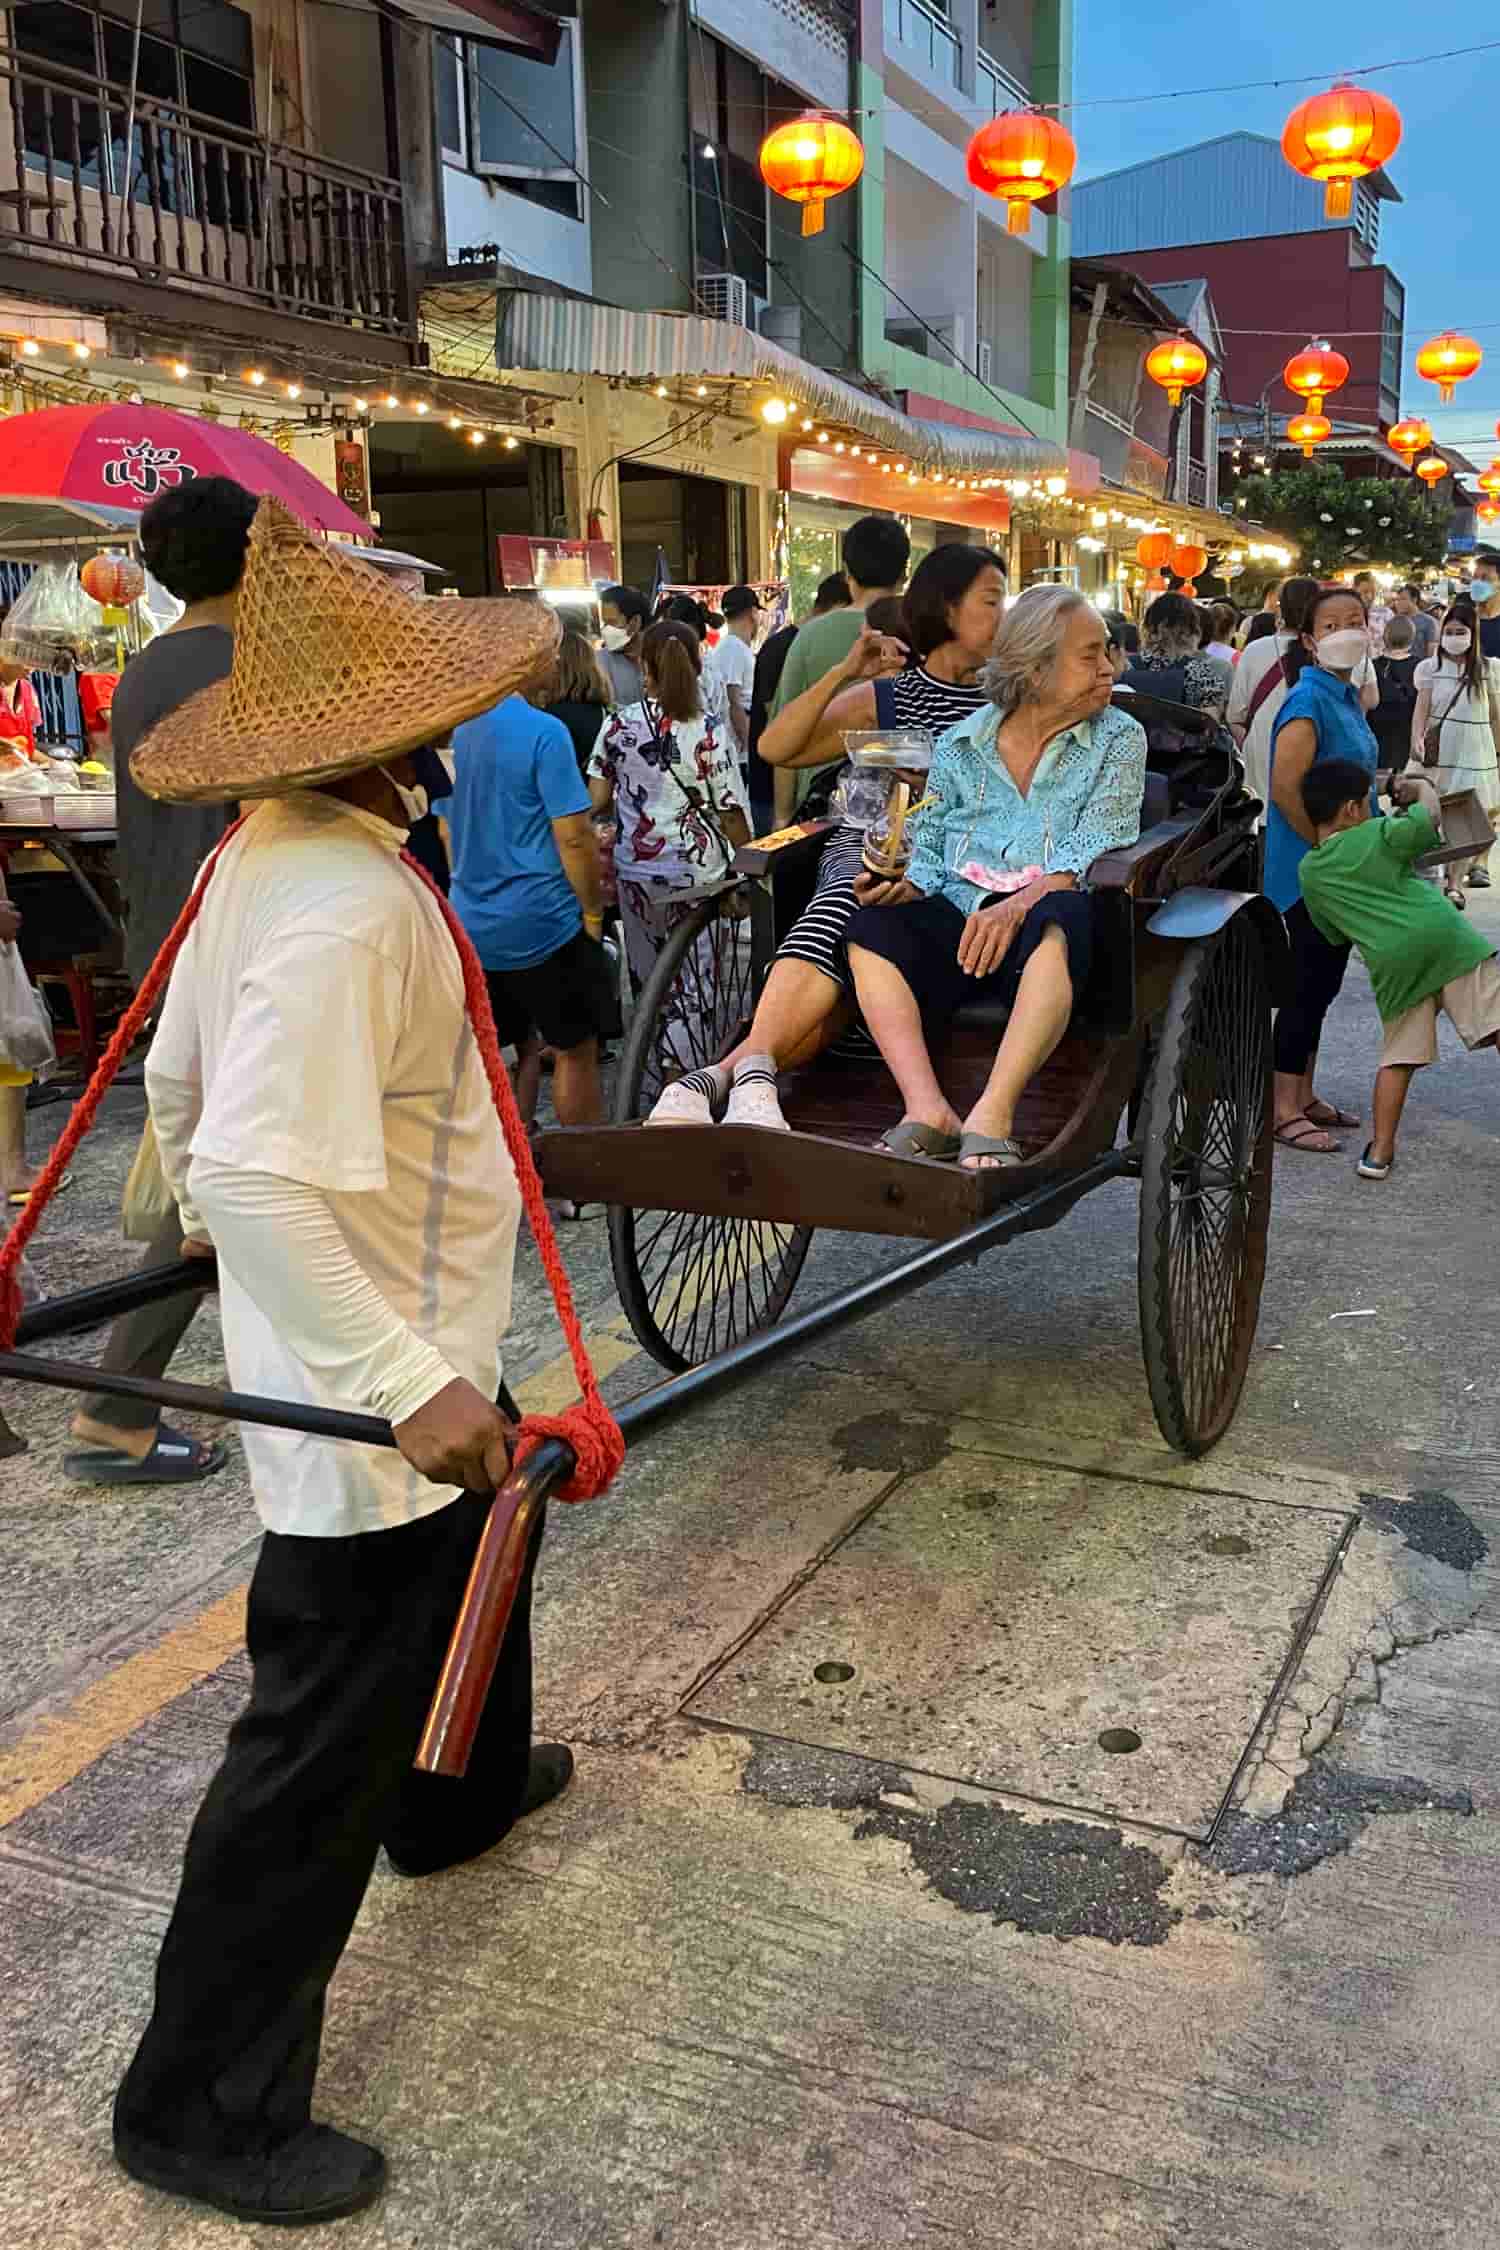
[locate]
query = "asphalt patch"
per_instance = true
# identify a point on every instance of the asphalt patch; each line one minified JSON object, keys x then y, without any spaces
{"x":899,"y":1442}
{"x":1050,"y":1878}
{"x":1326,"y":1810}
{"x":1431,"y":1524}
{"x":786,"y":1774}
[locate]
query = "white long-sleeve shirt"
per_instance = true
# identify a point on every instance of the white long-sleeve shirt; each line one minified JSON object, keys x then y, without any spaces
{"x":323,"y":1116}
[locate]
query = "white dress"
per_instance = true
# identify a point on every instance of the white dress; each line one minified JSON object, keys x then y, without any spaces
{"x":1466,"y":756}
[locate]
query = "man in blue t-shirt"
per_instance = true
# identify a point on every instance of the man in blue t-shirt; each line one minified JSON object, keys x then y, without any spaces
{"x":526,"y":886}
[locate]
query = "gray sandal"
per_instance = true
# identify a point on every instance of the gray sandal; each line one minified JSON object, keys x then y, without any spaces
{"x":912,"y":1138}
{"x":1002,"y":1154}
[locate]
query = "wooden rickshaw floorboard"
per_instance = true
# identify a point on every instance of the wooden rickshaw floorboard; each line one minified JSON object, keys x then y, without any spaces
{"x":826,"y":1173}
{"x":993,"y":1619}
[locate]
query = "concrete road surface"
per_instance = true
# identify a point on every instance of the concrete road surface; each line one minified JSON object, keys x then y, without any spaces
{"x":987,"y":1828}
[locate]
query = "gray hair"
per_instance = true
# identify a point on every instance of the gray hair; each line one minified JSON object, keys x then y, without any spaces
{"x":1028,"y":643}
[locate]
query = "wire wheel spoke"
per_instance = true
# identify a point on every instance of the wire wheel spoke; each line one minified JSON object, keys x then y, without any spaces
{"x":694,"y":1284}
{"x":1205,"y":1186}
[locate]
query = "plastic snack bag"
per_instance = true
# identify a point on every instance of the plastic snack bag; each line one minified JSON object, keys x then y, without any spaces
{"x":25,"y":1027}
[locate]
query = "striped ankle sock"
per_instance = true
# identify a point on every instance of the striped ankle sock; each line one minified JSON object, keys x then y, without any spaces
{"x":755,"y":1067}
{"x":712,"y":1082}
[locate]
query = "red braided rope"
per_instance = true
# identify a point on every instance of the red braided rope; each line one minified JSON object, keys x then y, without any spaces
{"x":589,"y":1427}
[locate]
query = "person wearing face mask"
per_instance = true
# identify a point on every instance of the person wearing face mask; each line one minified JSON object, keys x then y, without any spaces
{"x":325,"y":1117}
{"x":1483,"y":591}
{"x":1320,"y":718}
{"x":625,"y":614}
{"x":1455,"y":729}
{"x":528,"y":888}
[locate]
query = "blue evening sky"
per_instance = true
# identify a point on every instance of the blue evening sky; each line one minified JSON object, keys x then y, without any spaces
{"x":1442,"y":240}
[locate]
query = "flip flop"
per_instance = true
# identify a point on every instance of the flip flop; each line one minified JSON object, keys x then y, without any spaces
{"x":912,"y":1138}
{"x":1294,"y":1134}
{"x":1334,"y":1119}
{"x":977,"y":1152}
{"x":20,"y":1197}
{"x":175,"y":1458}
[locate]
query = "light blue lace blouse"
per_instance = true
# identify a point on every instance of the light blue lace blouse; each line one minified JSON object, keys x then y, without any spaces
{"x":1085,"y":798}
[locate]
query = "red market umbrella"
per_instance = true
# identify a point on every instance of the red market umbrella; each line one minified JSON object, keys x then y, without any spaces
{"x":123,"y":456}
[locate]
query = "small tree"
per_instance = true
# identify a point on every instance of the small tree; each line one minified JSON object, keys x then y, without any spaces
{"x":1338,"y":521}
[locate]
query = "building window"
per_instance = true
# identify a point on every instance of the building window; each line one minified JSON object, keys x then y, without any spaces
{"x":448,"y":68}
{"x":194,"y":55}
{"x":524,"y":123}
{"x":1391,"y":336}
{"x":729,"y":116}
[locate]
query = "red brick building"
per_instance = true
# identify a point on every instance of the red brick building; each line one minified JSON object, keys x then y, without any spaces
{"x":1232,"y":213}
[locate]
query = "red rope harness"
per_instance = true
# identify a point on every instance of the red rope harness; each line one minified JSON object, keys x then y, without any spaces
{"x":589,"y":1427}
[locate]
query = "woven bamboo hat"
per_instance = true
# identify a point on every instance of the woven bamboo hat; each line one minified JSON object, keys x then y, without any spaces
{"x":335,"y":669}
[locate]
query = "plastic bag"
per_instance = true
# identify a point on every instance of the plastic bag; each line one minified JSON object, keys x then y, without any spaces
{"x":52,"y":623}
{"x":25,"y":1027}
{"x":148,"y":1198}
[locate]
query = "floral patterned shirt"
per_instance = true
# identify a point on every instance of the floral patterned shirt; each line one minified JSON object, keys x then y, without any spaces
{"x":1084,"y":799}
{"x":673,"y":780}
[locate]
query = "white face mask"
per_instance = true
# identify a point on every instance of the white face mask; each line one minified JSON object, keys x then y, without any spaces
{"x":1457,"y":641}
{"x":415,"y":802}
{"x":1340,"y":652}
{"x":615,"y":637}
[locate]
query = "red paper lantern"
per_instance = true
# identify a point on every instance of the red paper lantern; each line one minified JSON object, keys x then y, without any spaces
{"x":1433,"y":470}
{"x":809,"y":160}
{"x":1409,"y":438}
{"x":1448,"y":359}
{"x":1308,"y":430}
{"x":1187,"y":561}
{"x":1314,"y":373}
{"x":112,"y":579}
{"x":1154,"y":551}
{"x":1177,"y":364}
{"x":1024,"y":156}
{"x":1490,"y":481}
{"x":1338,"y":137}
{"x":1488,"y":512}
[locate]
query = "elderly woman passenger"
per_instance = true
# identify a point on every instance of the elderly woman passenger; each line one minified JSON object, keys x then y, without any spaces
{"x":1025,"y":795}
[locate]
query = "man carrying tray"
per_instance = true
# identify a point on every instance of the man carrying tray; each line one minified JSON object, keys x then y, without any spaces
{"x":324,"y":1118}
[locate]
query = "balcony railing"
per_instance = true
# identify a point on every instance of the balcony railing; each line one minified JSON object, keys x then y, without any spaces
{"x":994,"y":88}
{"x":1196,"y":494}
{"x":911,"y":23}
{"x":194,"y":202}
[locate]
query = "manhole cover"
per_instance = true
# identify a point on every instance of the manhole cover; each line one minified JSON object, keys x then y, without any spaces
{"x":1079,"y":1639}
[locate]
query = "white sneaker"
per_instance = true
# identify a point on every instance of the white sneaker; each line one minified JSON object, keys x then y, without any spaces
{"x":682,"y":1105}
{"x":752,"y":1101}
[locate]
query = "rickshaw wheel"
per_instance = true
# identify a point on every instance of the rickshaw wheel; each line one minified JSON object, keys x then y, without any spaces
{"x":1206,"y":1186}
{"x":692,"y":1285}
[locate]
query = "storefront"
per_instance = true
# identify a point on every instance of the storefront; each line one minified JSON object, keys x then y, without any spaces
{"x":439,"y":495}
{"x":825,"y":489}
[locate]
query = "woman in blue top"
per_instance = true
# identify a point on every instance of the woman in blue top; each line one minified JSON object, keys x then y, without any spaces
{"x":1022,"y":798}
{"x":1320,"y":718}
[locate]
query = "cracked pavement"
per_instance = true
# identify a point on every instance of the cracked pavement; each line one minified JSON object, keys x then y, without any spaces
{"x":751,"y":1991}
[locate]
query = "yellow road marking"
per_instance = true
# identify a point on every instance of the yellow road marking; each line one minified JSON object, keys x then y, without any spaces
{"x":57,"y":1747}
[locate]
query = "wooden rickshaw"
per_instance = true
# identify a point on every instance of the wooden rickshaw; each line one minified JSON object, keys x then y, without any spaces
{"x":710,"y":1225}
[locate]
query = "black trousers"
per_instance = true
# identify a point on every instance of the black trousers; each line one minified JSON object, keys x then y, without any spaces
{"x":1317,"y":972}
{"x":142,"y":1342}
{"x":346,"y":1638}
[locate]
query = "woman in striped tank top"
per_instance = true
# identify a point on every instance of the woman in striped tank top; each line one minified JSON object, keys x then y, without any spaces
{"x":953,"y":607}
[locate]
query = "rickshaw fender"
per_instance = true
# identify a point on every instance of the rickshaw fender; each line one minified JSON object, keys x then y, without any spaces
{"x":1199,"y":910}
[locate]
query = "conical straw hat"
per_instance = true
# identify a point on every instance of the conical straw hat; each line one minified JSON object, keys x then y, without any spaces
{"x":334,"y":669}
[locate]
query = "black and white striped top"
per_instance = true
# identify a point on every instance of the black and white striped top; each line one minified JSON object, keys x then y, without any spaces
{"x":913,"y":698}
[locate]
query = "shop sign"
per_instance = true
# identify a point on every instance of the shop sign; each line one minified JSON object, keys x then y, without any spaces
{"x":577,"y":565}
{"x":351,"y":475}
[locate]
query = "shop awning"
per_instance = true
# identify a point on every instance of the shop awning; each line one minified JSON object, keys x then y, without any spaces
{"x":537,"y":332}
{"x":510,"y":23}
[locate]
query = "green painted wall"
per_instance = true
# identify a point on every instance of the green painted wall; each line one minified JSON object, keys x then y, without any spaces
{"x":635,"y":60}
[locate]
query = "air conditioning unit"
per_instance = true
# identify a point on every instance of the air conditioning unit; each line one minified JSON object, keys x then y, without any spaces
{"x":726,"y":296}
{"x":986,"y":359}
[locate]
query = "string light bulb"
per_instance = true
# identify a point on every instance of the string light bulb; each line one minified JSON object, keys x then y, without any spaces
{"x":80,"y":351}
{"x":30,"y":348}
{"x":774,"y":411}
{"x":661,"y":390}
{"x":255,"y":377}
{"x":454,"y":422}
{"x":361,"y":406}
{"x":511,"y":443}
{"x":391,"y":399}
{"x":476,"y":437}
{"x":822,"y":437}
{"x":181,"y":370}
{"x":701,"y":391}
{"x":294,"y":390}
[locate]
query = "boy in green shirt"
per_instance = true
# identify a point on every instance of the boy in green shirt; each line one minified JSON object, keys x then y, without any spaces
{"x":1361,"y":886}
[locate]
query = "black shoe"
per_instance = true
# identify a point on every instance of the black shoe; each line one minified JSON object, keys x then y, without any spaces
{"x":551,"y":1771}
{"x":317,"y":2174}
{"x":1478,"y":879}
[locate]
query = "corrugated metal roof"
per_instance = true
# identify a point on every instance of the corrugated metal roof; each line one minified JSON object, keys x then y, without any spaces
{"x":538,"y":332}
{"x":1231,"y":189}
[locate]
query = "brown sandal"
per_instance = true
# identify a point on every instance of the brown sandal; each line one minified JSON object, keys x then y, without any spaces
{"x":1334,"y":1117}
{"x":1295,"y":1134}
